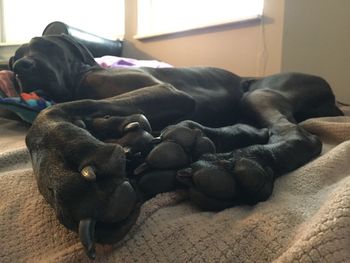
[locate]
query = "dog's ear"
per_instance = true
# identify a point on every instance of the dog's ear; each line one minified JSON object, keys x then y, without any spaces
{"x":11,"y":61}
{"x":79,"y":50}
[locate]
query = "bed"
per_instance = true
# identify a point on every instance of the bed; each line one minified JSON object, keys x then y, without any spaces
{"x":307,"y":219}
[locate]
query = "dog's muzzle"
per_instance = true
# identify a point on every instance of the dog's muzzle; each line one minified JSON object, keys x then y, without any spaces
{"x":22,"y":67}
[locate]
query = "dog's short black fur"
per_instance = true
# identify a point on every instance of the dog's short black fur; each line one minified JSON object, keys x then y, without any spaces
{"x":96,"y":157}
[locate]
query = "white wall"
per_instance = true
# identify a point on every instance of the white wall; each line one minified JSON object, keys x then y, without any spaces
{"x":316,"y":40}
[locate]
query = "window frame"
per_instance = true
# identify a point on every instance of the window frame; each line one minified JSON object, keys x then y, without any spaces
{"x":2,"y":29}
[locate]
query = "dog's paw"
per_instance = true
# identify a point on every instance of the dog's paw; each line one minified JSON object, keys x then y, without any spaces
{"x":85,"y":179}
{"x":218,"y":184}
{"x":178,"y":147}
{"x":229,"y":138}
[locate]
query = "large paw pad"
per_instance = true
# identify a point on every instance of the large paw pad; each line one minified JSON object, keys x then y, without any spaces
{"x":219,"y":183}
{"x":179,"y":146}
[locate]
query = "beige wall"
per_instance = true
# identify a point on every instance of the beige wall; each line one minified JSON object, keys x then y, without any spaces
{"x":246,"y":49}
{"x":311,"y":36}
{"x":316,"y":40}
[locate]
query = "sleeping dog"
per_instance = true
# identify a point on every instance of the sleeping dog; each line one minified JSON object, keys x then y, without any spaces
{"x":120,"y":136}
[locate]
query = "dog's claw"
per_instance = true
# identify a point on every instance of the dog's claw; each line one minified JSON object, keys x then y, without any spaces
{"x":138,"y":154}
{"x":132,"y":126}
{"x":127,"y":150}
{"x":87,"y":236}
{"x":129,"y":153}
{"x":185,"y":173}
{"x":88,"y":172}
{"x":19,"y":84}
{"x":141,"y":168}
{"x":80,"y":124}
{"x":156,"y":140}
{"x":185,"y":176}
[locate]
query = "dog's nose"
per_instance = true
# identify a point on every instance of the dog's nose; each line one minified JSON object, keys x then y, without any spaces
{"x":24,"y":65}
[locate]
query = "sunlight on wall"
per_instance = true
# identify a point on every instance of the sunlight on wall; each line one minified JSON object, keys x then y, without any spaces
{"x":162,"y":16}
{"x":24,"y":19}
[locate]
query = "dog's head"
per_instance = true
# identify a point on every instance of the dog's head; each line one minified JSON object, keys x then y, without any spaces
{"x":52,"y":66}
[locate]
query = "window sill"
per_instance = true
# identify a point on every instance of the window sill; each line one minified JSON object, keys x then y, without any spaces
{"x":4,"y":65}
{"x":9,"y":44}
{"x":7,"y":50}
{"x":254,"y":18}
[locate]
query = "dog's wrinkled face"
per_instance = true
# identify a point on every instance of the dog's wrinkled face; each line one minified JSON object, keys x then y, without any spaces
{"x":49,"y":65}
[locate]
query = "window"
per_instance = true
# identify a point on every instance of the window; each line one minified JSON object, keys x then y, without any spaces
{"x":160,"y":17}
{"x":20,"y":20}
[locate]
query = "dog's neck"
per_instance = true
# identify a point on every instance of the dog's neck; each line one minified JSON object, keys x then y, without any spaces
{"x":80,"y":79}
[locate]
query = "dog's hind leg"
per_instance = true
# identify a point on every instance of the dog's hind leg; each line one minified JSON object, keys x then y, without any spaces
{"x":247,"y":175}
{"x":289,"y":145}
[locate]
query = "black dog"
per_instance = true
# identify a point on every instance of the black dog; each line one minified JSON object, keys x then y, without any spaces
{"x":95,"y":158}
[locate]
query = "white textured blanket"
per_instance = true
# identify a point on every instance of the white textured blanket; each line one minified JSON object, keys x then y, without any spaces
{"x":306,"y":220}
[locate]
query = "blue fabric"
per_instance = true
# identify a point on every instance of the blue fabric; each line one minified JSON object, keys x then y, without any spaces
{"x":28,"y":109}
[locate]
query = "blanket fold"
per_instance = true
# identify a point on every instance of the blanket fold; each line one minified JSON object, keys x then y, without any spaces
{"x":307,"y":219}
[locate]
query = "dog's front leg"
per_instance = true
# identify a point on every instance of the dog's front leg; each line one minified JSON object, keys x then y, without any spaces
{"x":84,"y":178}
